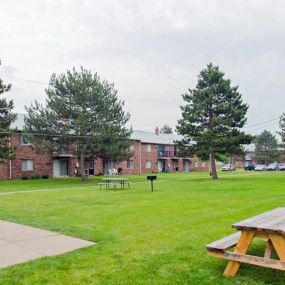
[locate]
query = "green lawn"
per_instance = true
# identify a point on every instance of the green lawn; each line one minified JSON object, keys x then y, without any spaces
{"x":142,"y":237}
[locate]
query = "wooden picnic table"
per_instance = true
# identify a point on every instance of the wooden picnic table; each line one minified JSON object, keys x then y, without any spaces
{"x":115,"y":181}
{"x":269,"y":226}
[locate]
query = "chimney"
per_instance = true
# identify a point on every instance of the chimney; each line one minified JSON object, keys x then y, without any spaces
{"x":156,"y":131}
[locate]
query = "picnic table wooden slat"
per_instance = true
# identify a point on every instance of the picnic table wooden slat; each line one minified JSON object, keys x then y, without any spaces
{"x":224,"y":243}
{"x":269,"y":222}
{"x":270,"y":226}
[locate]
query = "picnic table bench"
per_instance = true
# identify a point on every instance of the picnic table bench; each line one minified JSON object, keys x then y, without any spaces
{"x":114,"y":181}
{"x":269,"y":226}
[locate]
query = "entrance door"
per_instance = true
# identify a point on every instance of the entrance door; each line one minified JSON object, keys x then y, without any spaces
{"x":64,"y":167}
{"x":60,"y":167}
{"x":108,"y":165}
{"x":161,"y":165}
{"x":186,"y":166}
{"x":91,"y":167}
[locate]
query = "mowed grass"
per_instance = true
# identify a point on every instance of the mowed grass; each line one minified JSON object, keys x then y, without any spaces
{"x":142,"y":237}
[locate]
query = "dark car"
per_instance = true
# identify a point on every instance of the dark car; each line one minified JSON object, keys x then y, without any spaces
{"x":249,"y":167}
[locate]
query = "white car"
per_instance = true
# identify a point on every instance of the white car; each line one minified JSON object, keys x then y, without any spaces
{"x":260,"y":167}
{"x":272,"y":167}
{"x":229,"y":167}
{"x":281,"y":166}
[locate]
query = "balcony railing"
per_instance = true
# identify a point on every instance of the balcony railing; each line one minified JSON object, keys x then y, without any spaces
{"x":166,"y":153}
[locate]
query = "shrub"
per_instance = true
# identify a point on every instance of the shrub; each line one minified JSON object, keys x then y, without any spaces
{"x":24,"y":177}
{"x":45,"y":176}
{"x":36,"y":177}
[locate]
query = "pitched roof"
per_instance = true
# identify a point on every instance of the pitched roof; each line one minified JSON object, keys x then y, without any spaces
{"x":143,"y":136}
{"x":151,"y":137}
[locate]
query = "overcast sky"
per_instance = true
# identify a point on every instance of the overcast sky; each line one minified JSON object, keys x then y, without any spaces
{"x":151,"y":49}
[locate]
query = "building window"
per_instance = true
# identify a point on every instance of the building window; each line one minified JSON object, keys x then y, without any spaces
{"x":24,"y":140}
{"x":148,"y":147}
{"x":130,"y":164}
{"x":196,"y":164}
{"x":148,"y":164}
{"x":203,"y":164}
{"x":132,"y":148}
{"x":27,"y":165}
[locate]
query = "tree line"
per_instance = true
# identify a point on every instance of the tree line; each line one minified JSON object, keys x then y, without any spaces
{"x":83,"y":115}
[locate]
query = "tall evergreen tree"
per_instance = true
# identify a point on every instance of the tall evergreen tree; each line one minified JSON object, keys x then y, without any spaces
{"x":282,"y":128}
{"x":213,"y":116}
{"x":166,"y":129}
{"x":266,"y":148}
{"x":281,"y":133}
{"x":83,"y":115}
{"x":7,"y":152}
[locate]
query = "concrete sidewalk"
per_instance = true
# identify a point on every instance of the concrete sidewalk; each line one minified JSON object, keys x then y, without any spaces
{"x":19,"y":243}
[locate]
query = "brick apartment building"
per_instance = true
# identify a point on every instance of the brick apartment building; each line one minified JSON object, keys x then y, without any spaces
{"x":152,"y":152}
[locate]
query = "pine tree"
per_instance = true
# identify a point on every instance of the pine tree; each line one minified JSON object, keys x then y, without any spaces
{"x":82,"y":115}
{"x":266,"y":148}
{"x":166,"y":129}
{"x":7,"y":151}
{"x":213,"y":116}
{"x":282,"y":128}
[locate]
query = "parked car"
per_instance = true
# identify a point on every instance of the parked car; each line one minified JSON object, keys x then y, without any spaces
{"x":272,"y":167}
{"x":281,"y":166}
{"x":229,"y":167}
{"x":249,"y":167}
{"x":260,"y":167}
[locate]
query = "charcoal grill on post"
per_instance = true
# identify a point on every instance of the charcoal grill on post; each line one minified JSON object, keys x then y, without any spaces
{"x":151,"y":178}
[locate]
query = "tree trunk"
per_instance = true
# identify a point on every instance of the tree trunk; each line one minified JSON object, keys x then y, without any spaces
{"x":84,"y":177}
{"x":213,"y":165}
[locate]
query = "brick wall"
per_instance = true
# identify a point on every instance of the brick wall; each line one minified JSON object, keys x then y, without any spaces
{"x":198,"y":165}
{"x":142,"y":154}
{"x":42,"y":163}
{"x":4,"y":171}
{"x":136,"y":158}
{"x":151,"y":156}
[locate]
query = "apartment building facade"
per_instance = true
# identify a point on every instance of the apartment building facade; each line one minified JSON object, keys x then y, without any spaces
{"x":152,"y":152}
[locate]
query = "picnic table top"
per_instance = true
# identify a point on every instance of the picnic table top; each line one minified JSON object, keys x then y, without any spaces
{"x":269,"y":222}
{"x":115,"y":178}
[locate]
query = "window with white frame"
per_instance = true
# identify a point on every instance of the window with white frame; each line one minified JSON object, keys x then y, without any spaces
{"x":27,"y":165}
{"x":132,"y":148}
{"x":148,"y":164}
{"x":148,"y":147}
{"x":130,"y":164}
{"x":24,"y":140}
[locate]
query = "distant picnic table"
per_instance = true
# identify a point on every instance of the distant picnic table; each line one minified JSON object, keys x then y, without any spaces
{"x":114,"y":182}
{"x":270,"y":226}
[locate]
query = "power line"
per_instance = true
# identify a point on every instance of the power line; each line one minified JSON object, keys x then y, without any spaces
{"x":261,"y":123}
{"x":57,"y":135}
{"x":128,"y":98}
{"x":140,"y":99}
{"x":150,"y":100}
{"x":26,"y":80}
{"x":263,"y":127}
